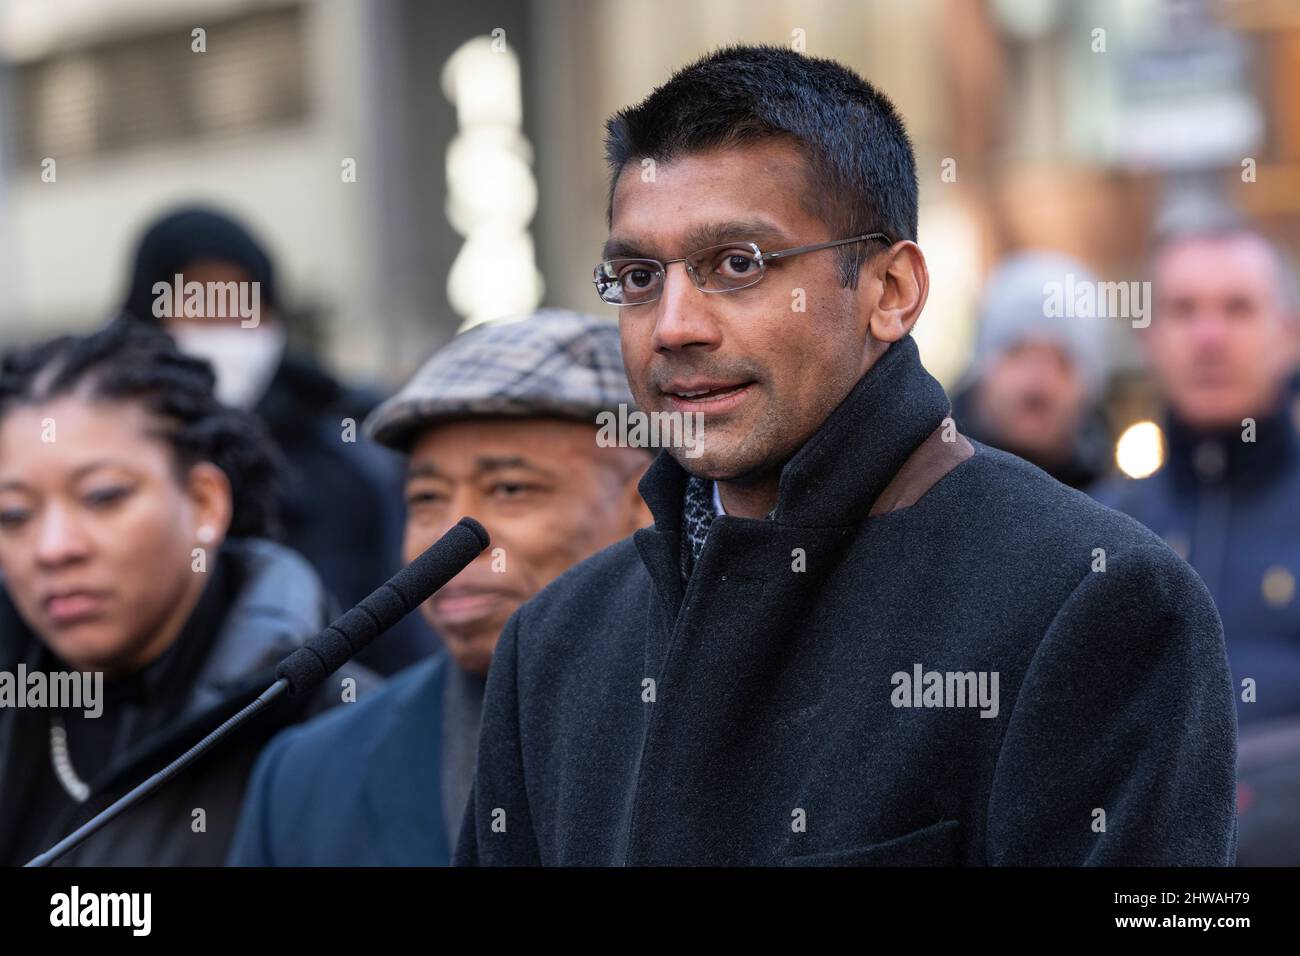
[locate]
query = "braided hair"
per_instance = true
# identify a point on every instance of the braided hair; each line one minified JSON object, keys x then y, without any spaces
{"x":129,"y":360}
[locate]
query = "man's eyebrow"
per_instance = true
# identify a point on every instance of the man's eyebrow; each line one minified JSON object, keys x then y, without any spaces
{"x":617,"y":247}
{"x":500,"y":463}
{"x":423,"y":469}
{"x":760,"y":231}
{"x":484,"y":463}
{"x":96,"y":465}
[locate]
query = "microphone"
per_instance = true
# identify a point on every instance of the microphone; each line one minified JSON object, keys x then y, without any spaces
{"x":307,"y":667}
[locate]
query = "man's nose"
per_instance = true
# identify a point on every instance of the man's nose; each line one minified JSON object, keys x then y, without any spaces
{"x":60,"y":537}
{"x":1044,"y":372}
{"x":1209,"y":330}
{"x":681,"y":318}
{"x":463,"y":502}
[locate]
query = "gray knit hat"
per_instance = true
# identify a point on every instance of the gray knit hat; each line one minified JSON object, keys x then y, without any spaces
{"x":1012,"y":309}
{"x":552,"y":364}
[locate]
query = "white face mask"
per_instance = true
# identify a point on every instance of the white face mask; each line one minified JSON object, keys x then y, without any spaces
{"x":244,"y":360}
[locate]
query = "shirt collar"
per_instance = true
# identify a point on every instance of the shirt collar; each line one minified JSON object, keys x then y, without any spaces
{"x":717,"y":501}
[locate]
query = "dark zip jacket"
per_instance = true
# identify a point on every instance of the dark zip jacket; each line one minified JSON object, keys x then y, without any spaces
{"x":1232,"y":509}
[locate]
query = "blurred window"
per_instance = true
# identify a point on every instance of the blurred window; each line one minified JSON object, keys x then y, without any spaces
{"x":152,"y":89}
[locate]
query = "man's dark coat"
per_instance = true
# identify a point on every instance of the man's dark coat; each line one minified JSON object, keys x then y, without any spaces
{"x":358,"y":786}
{"x":752,"y":718}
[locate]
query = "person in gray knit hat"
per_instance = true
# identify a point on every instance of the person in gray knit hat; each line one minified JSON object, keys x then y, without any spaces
{"x":500,"y":424}
{"x":1035,"y":375}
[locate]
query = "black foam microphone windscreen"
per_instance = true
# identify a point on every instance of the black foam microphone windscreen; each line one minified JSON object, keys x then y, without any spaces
{"x":401,"y":594}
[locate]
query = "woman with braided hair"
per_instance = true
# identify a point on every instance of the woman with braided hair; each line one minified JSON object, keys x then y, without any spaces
{"x":135,"y":516}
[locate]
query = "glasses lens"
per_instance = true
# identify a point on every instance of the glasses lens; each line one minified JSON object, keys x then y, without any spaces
{"x":726,"y":267}
{"x":629,"y":281}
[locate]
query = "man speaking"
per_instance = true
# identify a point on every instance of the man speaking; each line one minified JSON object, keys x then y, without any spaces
{"x":851,"y":636}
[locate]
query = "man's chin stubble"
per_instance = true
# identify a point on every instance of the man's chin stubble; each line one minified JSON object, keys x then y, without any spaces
{"x":734,"y":468}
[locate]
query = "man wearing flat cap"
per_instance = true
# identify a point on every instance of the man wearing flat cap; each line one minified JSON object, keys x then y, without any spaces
{"x":500,"y":424}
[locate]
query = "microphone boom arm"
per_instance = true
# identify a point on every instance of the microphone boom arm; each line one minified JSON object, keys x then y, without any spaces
{"x":109,"y":813}
{"x":309,"y":665}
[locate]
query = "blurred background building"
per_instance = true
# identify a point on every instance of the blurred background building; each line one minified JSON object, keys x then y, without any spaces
{"x":417,"y":165}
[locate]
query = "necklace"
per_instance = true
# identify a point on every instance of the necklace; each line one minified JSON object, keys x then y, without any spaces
{"x":76,"y":787}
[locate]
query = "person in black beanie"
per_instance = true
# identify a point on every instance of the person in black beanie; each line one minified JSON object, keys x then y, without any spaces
{"x":202,"y":276}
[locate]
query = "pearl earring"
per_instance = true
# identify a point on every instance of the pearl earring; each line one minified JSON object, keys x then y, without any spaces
{"x":206,"y":534}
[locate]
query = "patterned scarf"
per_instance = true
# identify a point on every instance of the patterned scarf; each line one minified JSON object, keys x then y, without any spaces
{"x":697,"y":517}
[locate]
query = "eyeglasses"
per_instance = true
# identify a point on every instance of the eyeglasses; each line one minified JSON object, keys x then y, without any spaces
{"x":726,"y":267}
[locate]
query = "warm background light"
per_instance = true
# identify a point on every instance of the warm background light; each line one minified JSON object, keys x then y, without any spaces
{"x":1140,"y":450}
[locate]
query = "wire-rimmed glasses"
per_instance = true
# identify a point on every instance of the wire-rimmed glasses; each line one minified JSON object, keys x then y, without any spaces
{"x":725,"y":267}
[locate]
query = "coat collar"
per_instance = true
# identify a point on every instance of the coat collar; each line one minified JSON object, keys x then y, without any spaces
{"x":1199,"y":458}
{"x":833,"y":479}
{"x":278,"y":602}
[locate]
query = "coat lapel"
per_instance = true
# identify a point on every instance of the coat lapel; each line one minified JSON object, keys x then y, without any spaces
{"x":402,"y":793}
{"x":659,"y":546}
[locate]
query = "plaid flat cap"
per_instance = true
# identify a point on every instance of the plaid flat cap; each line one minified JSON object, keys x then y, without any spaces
{"x":553,"y":364}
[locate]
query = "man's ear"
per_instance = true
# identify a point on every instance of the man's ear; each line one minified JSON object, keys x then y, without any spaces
{"x":894,"y":288}
{"x":212,"y":503}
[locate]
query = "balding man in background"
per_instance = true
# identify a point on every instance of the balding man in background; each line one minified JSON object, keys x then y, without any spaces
{"x":1221,"y":347}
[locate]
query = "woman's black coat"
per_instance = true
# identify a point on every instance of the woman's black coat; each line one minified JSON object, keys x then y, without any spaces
{"x":276,"y":603}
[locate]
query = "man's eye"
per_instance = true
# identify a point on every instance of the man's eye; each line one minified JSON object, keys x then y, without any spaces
{"x":637,"y":278}
{"x":1238,"y":308}
{"x":735,"y":265}
{"x":417,"y":498}
{"x":106,"y":497}
{"x":510,"y":490}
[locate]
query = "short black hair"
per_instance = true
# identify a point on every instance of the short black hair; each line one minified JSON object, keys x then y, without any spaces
{"x":862,"y":168}
{"x":131,"y":361}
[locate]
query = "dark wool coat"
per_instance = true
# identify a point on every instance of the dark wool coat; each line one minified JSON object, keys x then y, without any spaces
{"x":358,"y":786}
{"x":752,"y":719}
